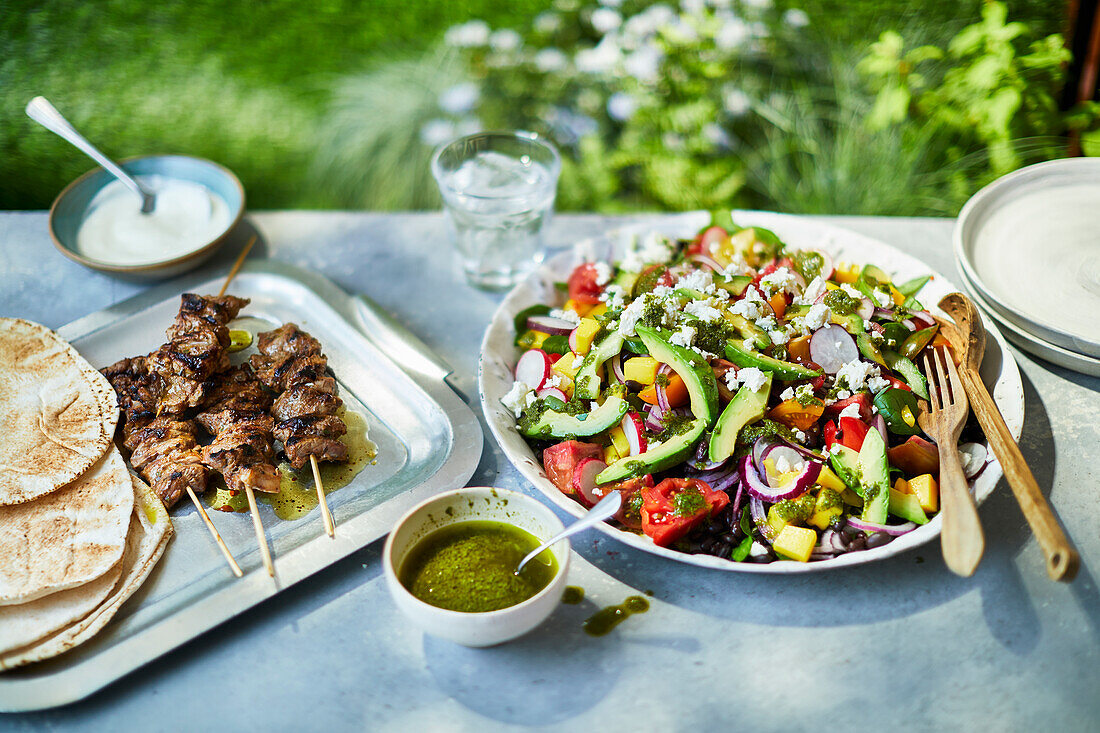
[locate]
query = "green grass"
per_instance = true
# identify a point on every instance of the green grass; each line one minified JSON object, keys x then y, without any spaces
{"x":246,"y":84}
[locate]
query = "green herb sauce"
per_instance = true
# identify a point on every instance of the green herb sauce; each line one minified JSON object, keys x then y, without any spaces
{"x":573,"y":595}
{"x":470,"y":567}
{"x":608,"y":618}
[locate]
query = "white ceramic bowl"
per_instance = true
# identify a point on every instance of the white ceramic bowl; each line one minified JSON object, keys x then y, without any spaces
{"x":498,"y":358}
{"x":469,"y":504}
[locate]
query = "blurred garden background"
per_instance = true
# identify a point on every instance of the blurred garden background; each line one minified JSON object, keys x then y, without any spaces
{"x":815,"y":106}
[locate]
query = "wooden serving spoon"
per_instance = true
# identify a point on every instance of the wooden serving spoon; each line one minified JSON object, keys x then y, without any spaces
{"x":967,"y":338}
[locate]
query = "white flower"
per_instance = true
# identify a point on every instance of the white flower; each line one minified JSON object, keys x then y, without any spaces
{"x":601,"y":59}
{"x":818,"y":315}
{"x":467,"y":35}
{"x":605,"y":20}
{"x":505,"y":40}
{"x":732,"y":33}
{"x":437,"y":132}
{"x":796,"y":18}
{"x":550,"y":59}
{"x":459,"y":99}
{"x":645,"y":63}
{"x":621,"y":106}
{"x":547,"y":22}
{"x":736,"y":102}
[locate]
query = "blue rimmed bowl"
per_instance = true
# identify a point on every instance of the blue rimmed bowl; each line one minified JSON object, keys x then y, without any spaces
{"x":71,"y":207}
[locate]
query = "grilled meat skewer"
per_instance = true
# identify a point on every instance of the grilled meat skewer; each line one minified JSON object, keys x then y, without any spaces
{"x":291,"y":364}
{"x":236,"y":413}
{"x":164,"y":450}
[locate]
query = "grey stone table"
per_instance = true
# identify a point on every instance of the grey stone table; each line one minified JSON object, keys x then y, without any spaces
{"x":900,"y":643}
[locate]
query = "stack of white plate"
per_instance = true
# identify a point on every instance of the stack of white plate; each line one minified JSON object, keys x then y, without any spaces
{"x":1028,"y":248}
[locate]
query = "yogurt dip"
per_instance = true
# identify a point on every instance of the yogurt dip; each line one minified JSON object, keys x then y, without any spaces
{"x":187,"y":216}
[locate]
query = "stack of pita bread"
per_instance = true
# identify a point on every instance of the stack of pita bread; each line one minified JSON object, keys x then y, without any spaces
{"x":78,"y":533}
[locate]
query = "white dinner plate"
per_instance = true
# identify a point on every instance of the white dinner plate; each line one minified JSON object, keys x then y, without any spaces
{"x":499,"y":355}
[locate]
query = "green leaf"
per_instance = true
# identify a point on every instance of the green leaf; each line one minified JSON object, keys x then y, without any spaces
{"x":891,"y":106}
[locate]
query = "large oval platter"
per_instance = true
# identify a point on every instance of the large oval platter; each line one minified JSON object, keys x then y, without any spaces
{"x":499,"y":355}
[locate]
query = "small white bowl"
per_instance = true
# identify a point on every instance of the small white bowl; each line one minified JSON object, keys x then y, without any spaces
{"x":485,"y":504}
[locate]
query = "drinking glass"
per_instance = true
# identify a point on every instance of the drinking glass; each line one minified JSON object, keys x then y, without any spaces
{"x":498,"y":193}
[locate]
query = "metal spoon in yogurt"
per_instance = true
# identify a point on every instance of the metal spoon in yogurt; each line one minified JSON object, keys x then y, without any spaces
{"x":41,"y":111}
{"x":604,"y":509}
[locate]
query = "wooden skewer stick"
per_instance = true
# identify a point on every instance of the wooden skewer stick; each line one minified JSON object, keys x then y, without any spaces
{"x":261,"y":538}
{"x":330,"y":524}
{"x":214,"y":531}
{"x":237,"y":266}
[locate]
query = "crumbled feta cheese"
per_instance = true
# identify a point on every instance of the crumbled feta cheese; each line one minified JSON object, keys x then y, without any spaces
{"x":519,"y":398}
{"x":804,"y":393}
{"x":877,"y":384}
{"x":851,"y":410}
{"x":748,"y":344}
{"x":818,"y":315}
{"x":843,"y":395}
{"x":661,"y":292}
{"x":799,"y":435}
{"x":732,"y":382}
{"x":779,"y":337}
{"x":683,"y":337}
{"x":767,"y":323}
{"x":603,"y":273}
{"x":883,"y":300}
{"x":752,"y":378}
{"x":787,"y":394}
{"x":565,"y":315}
{"x":780,"y":281}
{"x":813,"y":291}
{"x":736,"y":267}
{"x":630,"y":317}
{"x":747,"y":308}
{"x":854,"y":374}
{"x":852,"y":291}
{"x":553,"y":381}
{"x":650,"y":249}
{"x":700,"y":280}
{"x":702,"y":311}
{"x":614,"y":296}
{"x":782,"y":465}
{"x":757,"y":550}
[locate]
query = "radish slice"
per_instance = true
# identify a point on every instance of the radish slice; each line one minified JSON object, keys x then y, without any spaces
{"x":550,"y":325}
{"x":827,"y":268}
{"x":973,"y":457}
{"x":533,"y":368}
{"x":866,"y":308}
{"x":891,"y":529}
{"x":759,"y":489}
{"x":574,"y":340}
{"x":634,"y":432}
{"x":584,"y":480}
{"x":832,"y":347}
{"x":552,"y":392}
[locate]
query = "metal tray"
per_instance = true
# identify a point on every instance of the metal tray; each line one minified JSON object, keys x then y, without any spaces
{"x":428,"y":441}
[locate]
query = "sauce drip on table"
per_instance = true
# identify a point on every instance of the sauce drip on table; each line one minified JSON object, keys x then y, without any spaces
{"x":604,"y":620}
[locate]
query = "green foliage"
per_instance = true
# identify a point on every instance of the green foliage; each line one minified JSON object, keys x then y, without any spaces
{"x":990,"y":89}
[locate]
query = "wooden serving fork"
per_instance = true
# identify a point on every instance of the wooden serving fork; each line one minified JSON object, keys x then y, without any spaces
{"x":961,"y":538}
{"x":967,"y":338}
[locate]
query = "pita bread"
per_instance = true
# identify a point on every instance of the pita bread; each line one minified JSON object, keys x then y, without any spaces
{"x":150,"y":531}
{"x":28,"y":622}
{"x":67,"y":538}
{"x":59,"y":414}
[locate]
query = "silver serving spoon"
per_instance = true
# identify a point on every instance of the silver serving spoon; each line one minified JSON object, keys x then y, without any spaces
{"x":41,"y":111}
{"x":604,"y":509}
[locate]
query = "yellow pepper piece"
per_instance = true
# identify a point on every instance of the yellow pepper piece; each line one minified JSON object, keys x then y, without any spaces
{"x":568,"y":365}
{"x":585,"y":333}
{"x":846,"y":273}
{"x":641,"y":369}
{"x":581,"y":309}
{"x":618,"y":439}
{"x":610,"y":455}
{"x":926,"y":491}
{"x":830,"y":480}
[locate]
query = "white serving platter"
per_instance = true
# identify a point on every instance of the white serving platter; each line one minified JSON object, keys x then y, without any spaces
{"x":428,"y":441}
{"x":499,"y":355}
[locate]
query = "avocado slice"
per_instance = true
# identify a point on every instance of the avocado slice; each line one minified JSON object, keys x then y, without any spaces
{"x":555,"y":424}
{"x":666,"y":455}
{"x":736,"y":284}
{"x":874,"y":471}
{"x":626,"y":280}
{"x":745,"y":407}
{"x":868,"y":348}
{"x":587,"y":381}
{"x":845,"y":464}
{"x":748,"y":329}
{"x":784,"y":371}
{"x":697,"y":375}
{"x":907,"y":506}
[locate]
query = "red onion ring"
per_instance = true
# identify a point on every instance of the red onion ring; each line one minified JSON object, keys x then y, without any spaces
{"x":760,"y":489}
{"x":705,"y":261}
{"x":617,"y":368}
{"x":662,"y":398}
{"x":894,"y":530}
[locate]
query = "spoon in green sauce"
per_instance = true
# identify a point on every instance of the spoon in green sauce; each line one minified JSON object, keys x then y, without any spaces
{"x":604,"y":509}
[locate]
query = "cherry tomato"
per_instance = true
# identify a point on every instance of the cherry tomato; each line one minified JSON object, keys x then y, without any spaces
{"x":583,"y":287}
